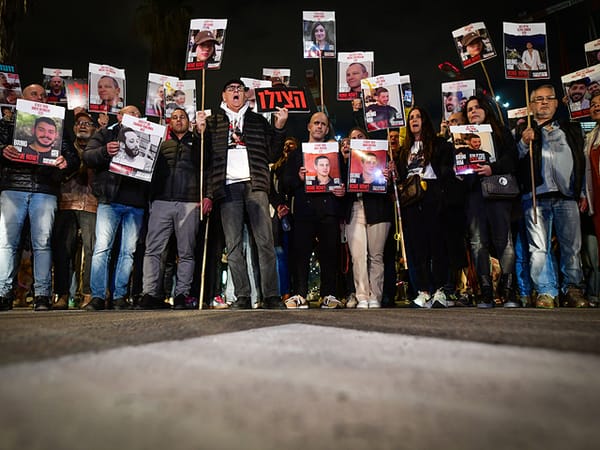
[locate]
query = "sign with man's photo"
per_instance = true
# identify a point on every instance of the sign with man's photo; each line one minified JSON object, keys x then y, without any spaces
{"x":139,"y":143}
{"x":54,"y":82}
{"x":321,"y":160}
{"x":474,"y":147}
{"x":368,"y":159}
{"x":455,"y":95}
{"x":383,"y":101}
{"x":352,"y":68}
{"x":38,"y":132}
{"x":579,"y":88}
{"x":525,"y":51}
{"x":106,"y":88}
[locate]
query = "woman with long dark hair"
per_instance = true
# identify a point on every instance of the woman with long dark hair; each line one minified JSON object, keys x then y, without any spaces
{"x":431,"y":158}
{"x":489,"y":220}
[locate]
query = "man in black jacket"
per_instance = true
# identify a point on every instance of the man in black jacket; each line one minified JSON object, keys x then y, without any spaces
{"x":175,"y":194}
{"x":30,"y":190}
{"x":242,"y":144}
{"x":121,"y":203}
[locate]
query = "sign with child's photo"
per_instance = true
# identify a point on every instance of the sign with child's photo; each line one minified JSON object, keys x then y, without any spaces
{"x":473,"y":44}
{"x":525,"y":51}
{"x":368,"y":158}
{"x":474,"y":146}
{"x":322,"y":165}
{"x":383,"y":102}
{"x":38,"y":132}
{"x":139,"y":142}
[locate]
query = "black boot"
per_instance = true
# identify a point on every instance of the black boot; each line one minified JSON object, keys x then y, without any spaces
{"x":508,"y":291}
{"x":486,"y":299}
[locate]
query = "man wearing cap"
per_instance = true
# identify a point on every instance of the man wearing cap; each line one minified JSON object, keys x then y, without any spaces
{"x":30,"y":190}
{"x":76,"y":215}
{"x":242,"y":143}
{"x":204,"y":44}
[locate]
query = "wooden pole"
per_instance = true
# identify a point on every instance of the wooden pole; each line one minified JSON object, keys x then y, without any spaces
{"x":203,"y":266}
{"x":531,"y":168}
{"x":321,"y":81}
{"x":492,"y":92}
{"x":398,"y":235}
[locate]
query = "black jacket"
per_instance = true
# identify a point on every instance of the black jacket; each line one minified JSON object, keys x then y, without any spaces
{"x":264,"y":145}
{"x":177,"y":173}
{"x":109,"y":187}
{"x":25,"y":177}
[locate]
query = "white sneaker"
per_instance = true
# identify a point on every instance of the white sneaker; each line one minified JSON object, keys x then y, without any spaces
{"x":296,"y":302}
{"x":362,"y":304}
{"x":330,"y":302}
{"x":374,"y":304}
{"x":439,"y":300}
{"x":422,"y":300}
{"x":351,"y":301}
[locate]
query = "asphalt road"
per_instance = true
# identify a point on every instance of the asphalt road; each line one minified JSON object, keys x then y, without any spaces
{"x":460,"y":378}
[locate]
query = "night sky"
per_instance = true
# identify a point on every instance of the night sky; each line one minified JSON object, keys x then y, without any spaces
{"x":409,"y":38}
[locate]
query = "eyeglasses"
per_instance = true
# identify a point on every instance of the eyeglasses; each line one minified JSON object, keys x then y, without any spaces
{"x":235,"y":89}
{"x":548,"y":98}
{"x":85,"y":124}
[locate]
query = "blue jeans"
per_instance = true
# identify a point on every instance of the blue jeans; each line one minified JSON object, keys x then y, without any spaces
{"x":15,"y":207}
{"x":108,"y":219}
{"x":562,"y":215}
{"x":241,"y":201}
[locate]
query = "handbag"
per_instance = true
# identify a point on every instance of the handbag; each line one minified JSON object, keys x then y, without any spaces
{"x":500,"y":186}
{"x":411,"y":190}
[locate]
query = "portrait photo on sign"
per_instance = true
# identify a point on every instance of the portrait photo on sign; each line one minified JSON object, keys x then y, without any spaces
{"x":474,"y":146}
{"x":38,"y":132}
{"x":180,"y":94}
{"x":525,"y":51}
{"x":138,"y":144}
{"x":321,"y":161}
{"x":473,"y":44}
{"x":352,"y":68}
{"x":383,"y":102}
{"x":592,"y":52}
{"x":155,"y":94}
{"x":55,"y":83}
{"x":10,"y":89}
{"x":368,"y":159}
{"x":276,"y":76}
{"x":206,"y":44}
{"x":455,"y":95}
{"x":579,"y":88}
{"x":106,"y":88}
{"x":318,"y":34}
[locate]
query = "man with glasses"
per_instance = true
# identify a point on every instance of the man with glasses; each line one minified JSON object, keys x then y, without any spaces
{"x":242,"y":143}
{"x":76,"y":215}
{"x":559,"y":165}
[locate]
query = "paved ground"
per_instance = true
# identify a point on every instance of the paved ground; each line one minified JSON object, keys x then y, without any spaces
{"x":388,"y":379}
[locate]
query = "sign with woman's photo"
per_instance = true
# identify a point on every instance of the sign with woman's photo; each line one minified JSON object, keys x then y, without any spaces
{"x":368,"y":158}
{"x":54,"y":82}
{"x":352,"y":68}
{"x":455,"y":95}
{"x":106,"y":88}
{"x":579,"y":88}
{"x":139,"y":143}
{"x":473,"y":44}
{"x":322,"y":165}
{"x":474,"y":146}
{"x":206,"y":44}
{"x":525,"y":51}
{"x":383,"y":102}
{"x":38,"y":132}
{"x":318,"y":34}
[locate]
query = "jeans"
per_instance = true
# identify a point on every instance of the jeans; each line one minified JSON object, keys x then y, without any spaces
{"x":40,"y":208}
{"x":524,"y":284}
{"x":108,"y":219}
{"x":562,"y":215}
{"x":240,"y":202}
